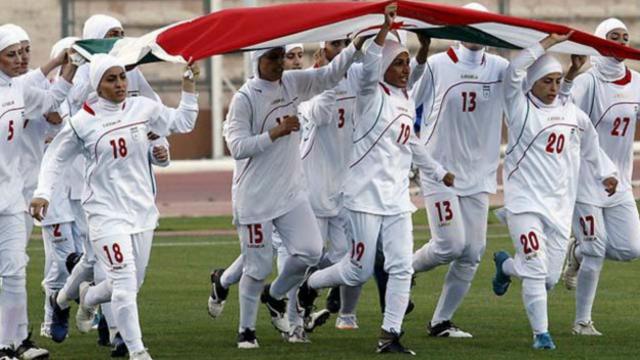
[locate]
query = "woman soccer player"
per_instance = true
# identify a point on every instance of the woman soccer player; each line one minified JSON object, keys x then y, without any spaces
{"x":111,"y":133}
{"x":548,"y":137}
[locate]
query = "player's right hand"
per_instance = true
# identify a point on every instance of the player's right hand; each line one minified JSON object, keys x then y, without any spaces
{"x":288,"y":125}
{"x":448,"y":179}
{"x":38,"y":208}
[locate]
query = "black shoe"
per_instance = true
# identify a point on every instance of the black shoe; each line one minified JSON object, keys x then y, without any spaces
{"x":447,"y":329}
{"x":306,"y":296}
{"x":247,"y":339}
{"x":103,"y":332}
{"x":277,"y":309}
{"x":316,"y":319}
{"x":72,"y":260}
{"x":28,"y":350}
{"x":119,"y":348}
{"x":8,"y":354}
{"x":59,"y":320}
{"x":333,"y":300}
{"x":389,"y":342}
{"x":218,"y":294}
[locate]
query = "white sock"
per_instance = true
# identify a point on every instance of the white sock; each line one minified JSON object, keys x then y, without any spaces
{"x":509,"y":268}
{"x":292,"y":274}
{"x":534,"y":296}
{"x":588,"y":277}
{"x":107,"y":312}
{"x":232,"y":274}
{"x":249,"y":293}
{"x":13,"y":311}
{"x":396,"y":299}
{"x":82,"y":272}
{"x":48,"y":310}
{"x":453,"y":291}
{"x":349,"y":296}
{"x":295,"y":319}
{"x":99,"y":294}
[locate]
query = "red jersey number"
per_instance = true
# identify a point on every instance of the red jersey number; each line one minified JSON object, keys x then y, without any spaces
{"x":340,"y":118}
{"x":529,"y":242}
{"x":119,"y":147}
{"x":405,"y":132}
{"x":444,"y":211}
{"x":255,"y":234}
{"x":11,"y":131}
{"x":619,"y":123}
{"x":468,"y":101}
{"x":555,"y":143}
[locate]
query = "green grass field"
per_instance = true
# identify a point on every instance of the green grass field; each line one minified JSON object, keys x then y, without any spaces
{"x":175,"y":323}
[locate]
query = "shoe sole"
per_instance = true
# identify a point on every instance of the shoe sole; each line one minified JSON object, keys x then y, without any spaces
{"x":248,"y":345}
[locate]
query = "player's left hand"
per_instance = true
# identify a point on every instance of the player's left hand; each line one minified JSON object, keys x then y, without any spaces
{"x":160,"y":153}
{"x":448,"y":179}
{"x":610,"y":185}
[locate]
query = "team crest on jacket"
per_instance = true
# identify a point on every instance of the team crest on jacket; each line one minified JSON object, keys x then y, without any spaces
{"x":135,"y":133}
{"x":486,"y":91}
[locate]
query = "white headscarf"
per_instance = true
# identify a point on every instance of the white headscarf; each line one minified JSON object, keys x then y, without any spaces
{"x":100,"y":63}
{"x":19,"y":31}
{"x":545,"y":65}
{"x":290,"y":47}
{"x":97,"y":26}
{"x":390,"y":51}
{"x":464,"y":54}
{"x":255,"y":60}
{"x":8,"y":37}
{"x":608,"y":68}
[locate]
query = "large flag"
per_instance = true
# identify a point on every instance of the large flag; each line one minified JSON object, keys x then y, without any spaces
{"x":242,"y":29}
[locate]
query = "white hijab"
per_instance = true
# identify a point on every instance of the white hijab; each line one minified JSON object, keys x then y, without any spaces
{"x":290,"y":47}
{"x":608,"y":68}
{"x":97,"y":26}
{"x":8,"y":37}
{"x":19,"y":31}
{"x":255,"y":60}
{"x":390,"y":51}
{"x":464,"y":54}
{"x":60,"y":46}
{"x":545,"y":65}
{"x":99,"y":65}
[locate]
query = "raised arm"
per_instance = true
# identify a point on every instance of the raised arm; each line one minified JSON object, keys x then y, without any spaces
{"x":168,"y":120}
{"x":62,"y":150}
{"x":419,"y":63}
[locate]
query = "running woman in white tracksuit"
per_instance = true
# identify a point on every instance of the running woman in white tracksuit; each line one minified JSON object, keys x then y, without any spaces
{"x":604,"y":226}
{"x":548,"y":137}
{"x":111,"y":133}
{"x":462,"y":97}
{"x":376,"y":190}
{"x":19,"y":101}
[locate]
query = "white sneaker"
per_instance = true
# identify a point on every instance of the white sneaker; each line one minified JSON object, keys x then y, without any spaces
{"x":140,"y":355}
{"x":346,"y":322}
{"x":447,"y":329}
{"x":45,"y":330}
{"x":585,"y":328}
{"x":85,"y":314}
{"x":298,"y":335}
{"x":571,"y":266}
{"x":247,"y":339}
